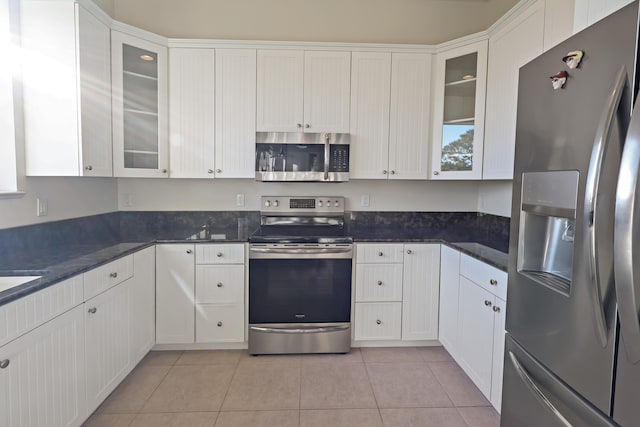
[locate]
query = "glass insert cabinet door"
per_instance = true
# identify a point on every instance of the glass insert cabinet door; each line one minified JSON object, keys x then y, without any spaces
{"x":139,"y":107}
{"x":459,"y":112}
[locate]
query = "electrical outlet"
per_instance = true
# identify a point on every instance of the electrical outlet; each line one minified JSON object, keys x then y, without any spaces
{"x":42,"y":208}
{"x":364,"y":200}
{"x":239,"y":199}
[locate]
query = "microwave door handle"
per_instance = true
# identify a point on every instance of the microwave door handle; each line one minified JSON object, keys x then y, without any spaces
{"x":594,"y":174}
{"x":625,"y":240}
{"x":327,"y":155}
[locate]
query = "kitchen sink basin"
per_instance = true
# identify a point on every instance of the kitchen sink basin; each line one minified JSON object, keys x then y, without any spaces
{"x":8,"y":282}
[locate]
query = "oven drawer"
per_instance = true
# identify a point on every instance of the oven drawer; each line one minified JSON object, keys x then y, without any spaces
{"x":220,"y":284}
{"x":378,"y":282}
{"x":378,"y":321}
{"x":219,"y":323}
{"x":220,"y":254}
{"x":484,"y":275}
{"x":379,"y":253}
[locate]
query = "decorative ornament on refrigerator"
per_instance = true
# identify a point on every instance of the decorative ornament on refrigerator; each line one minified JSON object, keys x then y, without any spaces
{"x":559,"y":80}
{"x":573,"y":59}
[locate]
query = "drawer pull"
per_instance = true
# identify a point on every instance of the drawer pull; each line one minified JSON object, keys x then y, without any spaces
{"x":493,"y":282}
{"x":379,"y":282}
{"x":219,"y":324}
{"x":219,"y":284}
{"x":380,"y":254}
{"x":4,"y":363}
{"x":488,"y":303}
{"x":219,"y":254}
{"x":113,"y":275}
{"x":93,"y":310}
{"x":496,"y":309}
{"x":379,"y":322}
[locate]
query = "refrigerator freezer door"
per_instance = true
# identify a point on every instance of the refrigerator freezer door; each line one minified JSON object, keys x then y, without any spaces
{"x":557,"y":131}
{"x":534,"y":397}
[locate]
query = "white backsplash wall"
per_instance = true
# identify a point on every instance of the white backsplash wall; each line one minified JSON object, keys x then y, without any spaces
{"x":221,"y":194}
{"x":494,"y":197}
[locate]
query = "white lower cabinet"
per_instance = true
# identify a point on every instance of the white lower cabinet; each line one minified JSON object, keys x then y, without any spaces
{"x":472,"y":319}
{"x":107,"y":326}
{"x":42,"y":375}
{"x":396,"y":296}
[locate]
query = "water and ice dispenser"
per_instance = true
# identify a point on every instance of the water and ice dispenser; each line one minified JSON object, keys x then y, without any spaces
{"x":547,"y":227}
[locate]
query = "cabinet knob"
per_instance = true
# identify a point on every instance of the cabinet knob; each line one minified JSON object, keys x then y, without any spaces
{"x":298,"y":125}
{"x":4,"y":363}
{"x":436,"y":173}
{"x":89,"y":168}
{"x":393,"y":172}
{"x":487,"y":303}
{"x":409,"y":251}
{"x":384,"y":172}
{"x":379,"y":322}
{"x":164,"y":171}
{"x":219,"y":284}
{"x":307,"y":126}
{"x":113,"y":275}
{"x":496,"y":309}
{"x":379,"y":282}
{"x":210,"y":171}
{"x":493,"y":282}
{"x":380,"y":254}
{"x":92,"y":310}
{"x":219,"y":254}
{"x":189,"y":251}
{"x":219,"y":324}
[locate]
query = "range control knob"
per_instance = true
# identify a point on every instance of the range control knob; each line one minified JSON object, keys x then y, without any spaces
{"x":319,"y":203}
{"x":267,"y":203}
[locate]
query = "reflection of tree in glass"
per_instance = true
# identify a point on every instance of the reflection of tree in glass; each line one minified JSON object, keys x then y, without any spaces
{"x":458,"y":154}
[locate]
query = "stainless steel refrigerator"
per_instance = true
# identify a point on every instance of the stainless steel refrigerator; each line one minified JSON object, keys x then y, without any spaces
{"x":572,"y":353}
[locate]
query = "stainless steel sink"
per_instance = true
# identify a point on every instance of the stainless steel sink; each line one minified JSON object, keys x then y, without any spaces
{"x":8,"y":282}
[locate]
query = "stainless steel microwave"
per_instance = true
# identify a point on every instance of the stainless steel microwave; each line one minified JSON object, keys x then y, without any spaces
{"x":289,"y":156}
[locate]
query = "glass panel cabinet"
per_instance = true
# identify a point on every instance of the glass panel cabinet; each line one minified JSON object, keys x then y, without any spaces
{"x":460,"y":85}
{"x":140,"y":142}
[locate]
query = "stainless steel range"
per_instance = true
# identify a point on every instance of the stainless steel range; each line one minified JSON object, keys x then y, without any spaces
{"x":300,"y":263}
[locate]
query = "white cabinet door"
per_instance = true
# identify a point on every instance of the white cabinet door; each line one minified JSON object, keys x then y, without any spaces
{"x":235,"y":113}
{"x":378,"y":321}
{"x":191,"y":113}
{"x":475,"y":334}
{"x":175,"y":287}
{"x":510,"y":47}
{"x":369,"y":122}
{"x":500,"y":315}
{"x":409,"y":116}
{"x":107,"y":326}
{"x":458,"y":112}
{"x":420,"y":292}
{"x":67,"y":89}
{"x":327,"y":86}
{"x":142,"y":304}
{"x":140,"y":107}
{"x":280,"y":90}
{"x":43,"y":383}
{"x":449,"y":289}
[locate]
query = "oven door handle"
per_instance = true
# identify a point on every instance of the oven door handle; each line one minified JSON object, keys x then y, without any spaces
{"x":265,"y":252}
{"x":307,"y":330}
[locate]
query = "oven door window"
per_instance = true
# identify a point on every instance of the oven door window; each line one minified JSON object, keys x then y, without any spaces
{"x":299,"y":290}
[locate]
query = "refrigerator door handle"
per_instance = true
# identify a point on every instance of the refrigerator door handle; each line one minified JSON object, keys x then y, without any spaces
{"x":598,"y":155}
{"x":625,"y":235}
{"x":535,"y":390}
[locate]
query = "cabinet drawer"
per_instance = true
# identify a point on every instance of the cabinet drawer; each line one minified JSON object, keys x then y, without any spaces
{"x":220,"y":254}
{"x":219,"y":323}
{"x":378,"y":321}
{"x":221,"y":284}
{"x":379,"y":253}
{"x":378,"y":282}
{"x":486,"y":276}
{"x":104,"y":277}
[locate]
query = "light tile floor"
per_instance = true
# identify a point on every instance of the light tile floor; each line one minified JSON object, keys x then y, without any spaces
{"x":368,"y":387}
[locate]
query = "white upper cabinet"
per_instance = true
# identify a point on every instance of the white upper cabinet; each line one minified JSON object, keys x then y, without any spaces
{"x":235,"y":113}
{"x":140,"y":116}
{"x":458,"y":112}
{"x":303,"y":91}
{"x":409,"y":118}
{"x":390,"y":115}
{"x":67,"y":89}
{"x":510,"y":47}
{"x":370,"y":103}
{"x":191,"y":113}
